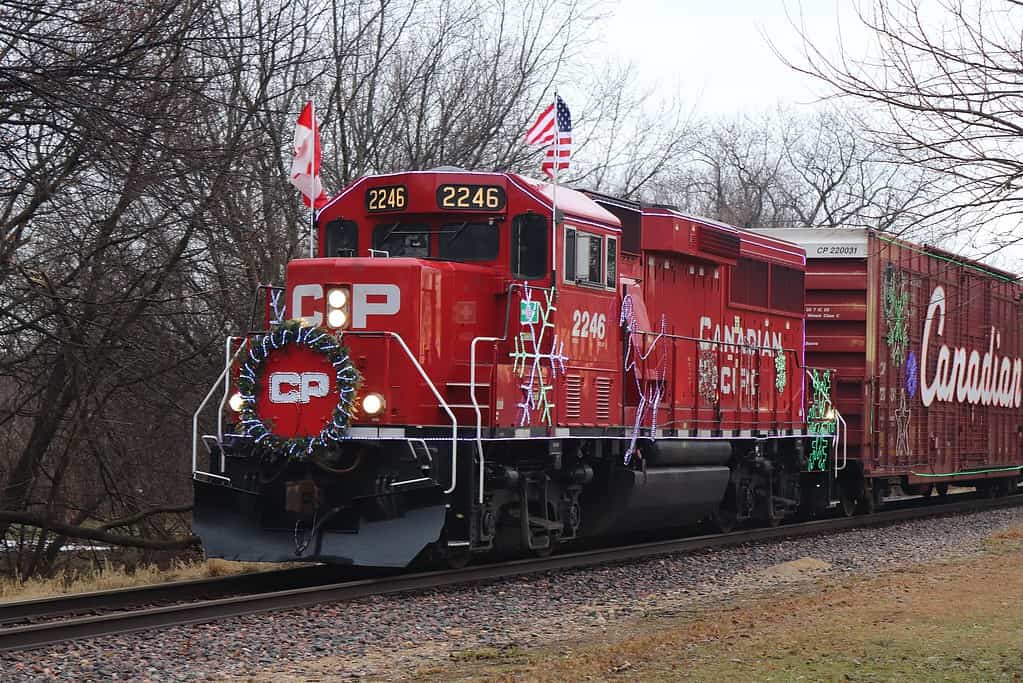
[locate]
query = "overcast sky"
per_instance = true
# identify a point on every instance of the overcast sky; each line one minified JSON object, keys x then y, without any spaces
{"x":716,"y":51}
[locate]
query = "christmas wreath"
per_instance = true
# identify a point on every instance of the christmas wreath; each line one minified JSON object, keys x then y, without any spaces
{"x":320,"y":340}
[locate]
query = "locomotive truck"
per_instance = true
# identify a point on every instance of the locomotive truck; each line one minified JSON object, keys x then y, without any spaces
{"x":480,"y":361}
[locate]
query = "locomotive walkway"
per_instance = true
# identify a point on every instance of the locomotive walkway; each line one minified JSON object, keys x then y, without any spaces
{"x":138,"y":618}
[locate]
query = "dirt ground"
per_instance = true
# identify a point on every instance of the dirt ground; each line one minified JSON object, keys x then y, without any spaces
{"x":954,"y":621}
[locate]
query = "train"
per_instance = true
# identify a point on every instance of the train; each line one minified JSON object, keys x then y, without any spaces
{"x":481,"y":362}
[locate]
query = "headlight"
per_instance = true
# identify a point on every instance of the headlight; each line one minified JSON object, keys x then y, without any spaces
{"x":236,"y":402}
{"x":372,"y":404}
{"x":337,"y":307}
{"x":337,"y":298}
{"x":337,"y":318}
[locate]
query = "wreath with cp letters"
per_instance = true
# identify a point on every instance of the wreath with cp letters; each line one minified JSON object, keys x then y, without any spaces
{"x":320,"y":340}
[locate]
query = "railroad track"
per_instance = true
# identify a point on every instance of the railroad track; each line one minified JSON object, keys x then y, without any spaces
{"x":29,"y":611}
{"x":20,"y":637}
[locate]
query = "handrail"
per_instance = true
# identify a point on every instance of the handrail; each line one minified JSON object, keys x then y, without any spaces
{"x":440,"y":399}
{"x":476,"y":405}
{"x":195,"y":417}
{"x":843,"y":436}
{"x":227,"y":385}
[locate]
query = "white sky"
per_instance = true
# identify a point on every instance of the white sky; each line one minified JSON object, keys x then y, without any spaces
{"x":716,"y":52}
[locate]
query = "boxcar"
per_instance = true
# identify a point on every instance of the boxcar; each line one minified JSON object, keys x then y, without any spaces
{"x":928,"y":352}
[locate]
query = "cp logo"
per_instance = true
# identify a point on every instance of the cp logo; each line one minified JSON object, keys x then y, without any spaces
{"x":303,"y":387}
{"x":367,"y":300}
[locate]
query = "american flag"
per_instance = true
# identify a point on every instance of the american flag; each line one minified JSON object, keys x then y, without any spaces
{"x":553,"y":128}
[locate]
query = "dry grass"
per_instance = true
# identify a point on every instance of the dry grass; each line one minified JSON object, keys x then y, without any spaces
{"x":108,"y":576}
{"x":958,"y":621}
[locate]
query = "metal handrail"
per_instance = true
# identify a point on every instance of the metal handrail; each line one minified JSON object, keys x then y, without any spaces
{"x":476,"y":405}
{"x":195,"y":417}
{"x":440,"y":399}
{"x":843,"y":436}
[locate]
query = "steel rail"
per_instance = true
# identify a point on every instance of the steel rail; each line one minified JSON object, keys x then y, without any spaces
{"x":171,"y":591}
{"x":38,"y":635}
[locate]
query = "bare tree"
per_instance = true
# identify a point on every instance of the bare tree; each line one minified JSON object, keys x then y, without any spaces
{"x":945,"y":77}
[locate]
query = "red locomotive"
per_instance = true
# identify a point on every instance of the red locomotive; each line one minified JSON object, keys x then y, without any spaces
{"x":451,"y":375}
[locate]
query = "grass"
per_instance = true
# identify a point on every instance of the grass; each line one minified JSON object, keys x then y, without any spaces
{"x":955,"y":621}
{"x":108,"y":576}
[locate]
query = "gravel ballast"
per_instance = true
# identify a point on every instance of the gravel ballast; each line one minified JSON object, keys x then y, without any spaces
{"x":394,"y":635}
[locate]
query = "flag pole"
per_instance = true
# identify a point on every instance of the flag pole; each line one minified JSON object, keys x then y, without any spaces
{"x":312,"y":186}
{"x":554,"y":202}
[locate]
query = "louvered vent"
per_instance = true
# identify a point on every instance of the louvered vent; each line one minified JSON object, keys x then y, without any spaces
{"x":719,"y":242}
{"x":603,"y":385}
{"x":573,"y":397}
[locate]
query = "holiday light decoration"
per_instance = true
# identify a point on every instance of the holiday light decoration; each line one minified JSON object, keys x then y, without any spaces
{"x":821,"y":423}
{"x":532,"y":351}
{"x":912,"y":374}
{"x":903,"y":414}
{"x":320,"y":340}
{"x":650,"y":395}
{"x":707,"y":380}
{"x":896,"y":305}
{"x":780,"y":374}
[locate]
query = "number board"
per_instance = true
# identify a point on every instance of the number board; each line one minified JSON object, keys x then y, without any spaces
{"x":471,"y":197}
{"x":386,"y":198}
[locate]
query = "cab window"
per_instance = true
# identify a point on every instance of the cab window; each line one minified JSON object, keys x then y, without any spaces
{"x":529,"y":246}
{"x":398,"y":239}
{"x":584,"y":258}
{"x":341,"y":238}
{"x":468,"y":241}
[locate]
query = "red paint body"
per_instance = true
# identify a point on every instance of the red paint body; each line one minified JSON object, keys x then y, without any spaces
{"x":848,"y":329}
{"x":674,"y":268}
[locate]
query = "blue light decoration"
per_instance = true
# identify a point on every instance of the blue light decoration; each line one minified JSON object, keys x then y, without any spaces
{"x":322,"y":341}
{"x":912,"y":374}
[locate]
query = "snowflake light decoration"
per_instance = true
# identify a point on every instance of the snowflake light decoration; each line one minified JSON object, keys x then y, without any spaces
{"x":535,"y":360}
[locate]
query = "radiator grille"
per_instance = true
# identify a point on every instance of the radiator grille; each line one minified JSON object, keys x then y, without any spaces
{"x":715,"y":241}
{"x":573,"y":397}
{"x":603,"y":385}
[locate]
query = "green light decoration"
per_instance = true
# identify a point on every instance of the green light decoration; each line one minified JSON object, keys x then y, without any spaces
{"x":538,"y":355}
{"x":896,"y":307}
{"x":820,"y":425}
{"x":780,"y":374}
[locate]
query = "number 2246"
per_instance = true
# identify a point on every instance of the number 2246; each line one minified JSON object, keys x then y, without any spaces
{"x":588,"y":325}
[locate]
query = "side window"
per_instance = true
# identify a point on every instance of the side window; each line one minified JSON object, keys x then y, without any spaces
{"x":529,"y":246}
{"x":569,"y":255}
{"x":468,"y":241}
{"x":612,"y":263}
{"x":341,"y":238}
{"x":787,"y":289}
{"x":402,"y":240}
{"x":584,"y":258}
{"x":750,"y":282}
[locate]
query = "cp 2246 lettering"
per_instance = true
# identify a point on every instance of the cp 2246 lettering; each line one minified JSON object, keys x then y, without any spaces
{"x":588,"y":325}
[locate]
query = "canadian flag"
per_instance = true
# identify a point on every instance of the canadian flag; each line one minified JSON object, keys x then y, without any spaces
{"x":305,"y":169}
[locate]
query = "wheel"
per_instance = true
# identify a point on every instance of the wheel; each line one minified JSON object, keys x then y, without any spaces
{"x":457,"y":558}
{"x":724,"y":519}
{"x":847,"y":500}
{"x":866,"y":502}
{"x":926,"y":491}
{"x":942,"y":489}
